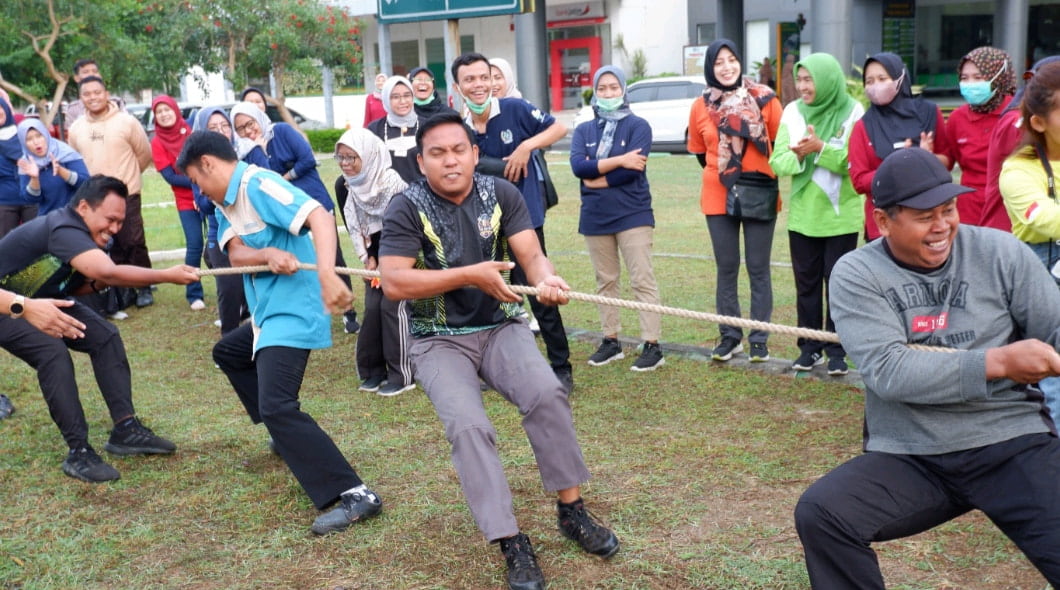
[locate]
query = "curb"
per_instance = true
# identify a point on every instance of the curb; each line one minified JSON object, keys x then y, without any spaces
{"x":774,"y":366}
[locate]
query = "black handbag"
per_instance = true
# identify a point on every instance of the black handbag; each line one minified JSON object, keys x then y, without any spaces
{"x":754,"y":196}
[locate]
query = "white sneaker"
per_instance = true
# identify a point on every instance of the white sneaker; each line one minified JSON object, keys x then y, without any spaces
{"x":198,"y":305}
{"x":217,"y":322}
{"x":118,"y":315}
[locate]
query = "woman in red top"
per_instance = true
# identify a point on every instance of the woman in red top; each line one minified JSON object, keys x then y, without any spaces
{"x":171,"y":130}
{"x":895,"y":119}
{"x":987,"y":84}
{"x":731,"y":131}
{"x":373,"y":103}
{"x":1006,"y":135}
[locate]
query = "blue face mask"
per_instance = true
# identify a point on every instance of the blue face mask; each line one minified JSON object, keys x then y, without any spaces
{"x":608,"y":105}
{"x":976,"y":93}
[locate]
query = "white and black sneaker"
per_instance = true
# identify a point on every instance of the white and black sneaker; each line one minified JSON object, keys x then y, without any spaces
{"x":807,"y":361}
{"x":651,"y":358}
{"x":355,"y":505}
{"x":610,"y":350}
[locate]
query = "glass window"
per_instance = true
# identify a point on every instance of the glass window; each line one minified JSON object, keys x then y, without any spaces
{"x":641,"y":94}
{"x":672,"y":91}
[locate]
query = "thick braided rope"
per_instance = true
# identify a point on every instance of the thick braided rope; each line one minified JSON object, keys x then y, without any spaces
{"x":807,"y":333}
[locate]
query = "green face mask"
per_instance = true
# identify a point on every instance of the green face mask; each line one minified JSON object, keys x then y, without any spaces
{"x":608,"y":105}
{"x":478,"y":109}
{"x":422,"y":101}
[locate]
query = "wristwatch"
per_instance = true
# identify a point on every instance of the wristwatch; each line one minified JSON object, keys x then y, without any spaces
{"x":18,"y":306}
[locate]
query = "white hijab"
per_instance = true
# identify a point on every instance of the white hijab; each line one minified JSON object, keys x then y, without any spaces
{"x":509,"y":77}
{"x":252,"y":110}
{"x":370,"y":190}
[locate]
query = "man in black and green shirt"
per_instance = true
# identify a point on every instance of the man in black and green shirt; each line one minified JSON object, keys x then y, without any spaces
{"x":445,"y":245}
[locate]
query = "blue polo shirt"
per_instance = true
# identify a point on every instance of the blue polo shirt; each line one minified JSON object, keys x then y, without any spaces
{"x":513,"y":121}
{"x":266,"y":211}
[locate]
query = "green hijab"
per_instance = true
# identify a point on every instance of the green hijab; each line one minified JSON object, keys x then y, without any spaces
{"x":831,"y":104}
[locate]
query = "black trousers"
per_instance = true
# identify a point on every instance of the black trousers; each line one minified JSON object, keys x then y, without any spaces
{"x":879,"y":496}
{"x":812,"y":260}
{"x":267,"y":384}
{"x":130,"y":243}
{"x":548,"y":318}
{"x":50,"y":357}
{"x":231,"y":303}
{"x":384,"y":339}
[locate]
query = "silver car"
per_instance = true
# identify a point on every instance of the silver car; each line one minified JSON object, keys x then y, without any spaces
{"x":664,"y":103}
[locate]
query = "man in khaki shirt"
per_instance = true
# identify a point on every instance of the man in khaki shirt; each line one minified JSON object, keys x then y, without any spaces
{"x":114,"y":143}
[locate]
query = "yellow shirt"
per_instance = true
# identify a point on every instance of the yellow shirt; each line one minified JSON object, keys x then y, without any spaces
{"x":1025,"y":190}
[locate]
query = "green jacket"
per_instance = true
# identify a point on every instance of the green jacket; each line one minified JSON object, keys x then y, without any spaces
{"x":827,"y":205}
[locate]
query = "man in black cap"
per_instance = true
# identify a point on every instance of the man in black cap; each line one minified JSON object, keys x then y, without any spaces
{"x":946,"y":431}
{"x":425,"y":98}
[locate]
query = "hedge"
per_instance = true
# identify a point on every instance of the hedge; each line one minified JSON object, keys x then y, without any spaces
{"x":323,"y":140}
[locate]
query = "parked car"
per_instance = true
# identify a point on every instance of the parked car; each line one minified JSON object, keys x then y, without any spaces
{"x":304,"y":122}
{"x":664,"y":103}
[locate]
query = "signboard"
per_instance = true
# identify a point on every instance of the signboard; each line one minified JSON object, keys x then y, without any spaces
{"x":403,"y":11}
{"x":694,"y":55}
{"x":899,"y":30}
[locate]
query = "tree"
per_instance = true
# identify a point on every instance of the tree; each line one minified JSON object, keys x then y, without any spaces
{"x":152,"y":44}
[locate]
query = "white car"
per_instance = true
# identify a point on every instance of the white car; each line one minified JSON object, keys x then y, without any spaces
{"x":664,"y":103}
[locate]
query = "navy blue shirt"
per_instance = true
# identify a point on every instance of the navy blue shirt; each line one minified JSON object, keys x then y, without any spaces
{"x":289,"y":152}
{"x":626,"y":202}
{"x":55,"y":192}
{"x":513,"y":121}
{"x":37,"y":255}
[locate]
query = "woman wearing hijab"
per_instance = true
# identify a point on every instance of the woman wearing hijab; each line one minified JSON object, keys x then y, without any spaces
{"x":290,"y":155}
{"x":231,"y":304}
{"x":171,"y":130}
{"x":610,"y":155}
{"x":398,"y":128}
{"x":383,"y":364}
{"x":504,"y":79}
{"x":987,"y":84}
{"x":895,"y":120}
{"x":731,"y":132}
{"x":15,"y":208}
{"x":373,"y":104}
{"x":824,"y":211}
{"x":1007,"y":133}
{"x":51,"y":170}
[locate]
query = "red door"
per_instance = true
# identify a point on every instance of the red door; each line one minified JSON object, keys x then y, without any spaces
{"x":573,"y":64}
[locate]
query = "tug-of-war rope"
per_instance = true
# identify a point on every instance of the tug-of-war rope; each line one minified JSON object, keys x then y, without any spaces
{"x":807,"y":333}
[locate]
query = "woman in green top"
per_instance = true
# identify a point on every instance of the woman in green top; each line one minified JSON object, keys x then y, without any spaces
{"x":825,"y":213}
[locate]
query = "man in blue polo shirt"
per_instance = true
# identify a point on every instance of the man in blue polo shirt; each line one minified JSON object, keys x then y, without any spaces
{"x":507,"y":131}
{"x":265,"y":220}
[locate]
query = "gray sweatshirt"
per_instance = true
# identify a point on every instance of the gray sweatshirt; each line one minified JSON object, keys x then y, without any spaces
{"x":992,"y":291}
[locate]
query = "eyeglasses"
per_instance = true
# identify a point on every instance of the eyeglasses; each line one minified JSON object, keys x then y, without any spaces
{"x":219,"y":128}
{"x":346,"y":159}
{"x":422,"y":81}
{"x":401,"y":96}
{"x":246,"y":127}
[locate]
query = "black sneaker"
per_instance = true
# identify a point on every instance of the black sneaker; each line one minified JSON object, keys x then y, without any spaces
{"x":610,"y":350}
{"x":372,"y":384}
{"x":144,"y":297}
{"x":759,"y":352}
{"x":523,"y":572}
{"x":807,"y":361}
{"x":136,"y":439}
{"x":349,"y":322}
{"x":578,"y":525}
{"x":353,"y":506}
{"x":6,"y":407}
{"x":727,"y":348}
{"x":837,"y":367}
{"x":566,"y":378}
{"x":83,"y":463}
{"x":391,"y":389}
{"x":651,"y":357}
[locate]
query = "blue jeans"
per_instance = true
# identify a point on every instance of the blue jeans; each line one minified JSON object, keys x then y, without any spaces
{"x":192,"y":223}
{"x":1050,"y":386}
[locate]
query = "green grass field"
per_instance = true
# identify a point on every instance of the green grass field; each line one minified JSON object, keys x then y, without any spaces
{"x":697,"y":466}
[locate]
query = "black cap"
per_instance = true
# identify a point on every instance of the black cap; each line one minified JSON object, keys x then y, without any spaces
{"x":913,"y":177}
{"x":415,"y":71}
